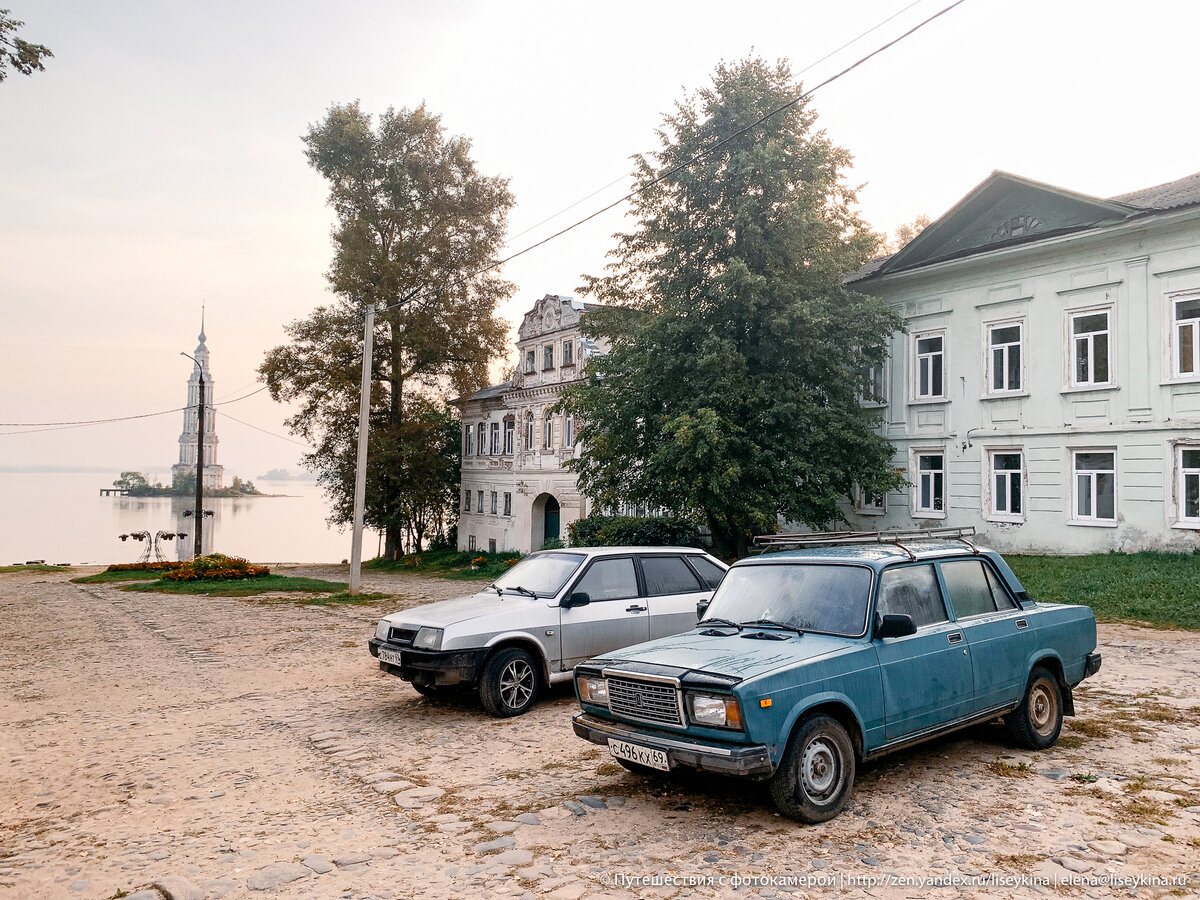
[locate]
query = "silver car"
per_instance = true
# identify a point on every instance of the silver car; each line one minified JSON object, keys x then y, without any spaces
{"x":553,"y":609}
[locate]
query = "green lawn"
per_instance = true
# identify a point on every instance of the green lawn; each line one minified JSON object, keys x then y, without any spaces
{"x":105,"y":577}
{"x":243,"y":587}
{"x":1159,"y":588}
{"x":36,"y":567}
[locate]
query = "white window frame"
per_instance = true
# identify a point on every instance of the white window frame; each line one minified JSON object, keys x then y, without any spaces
{"x":869,"y":506}
{"x":1091,"y":384}
{"x":932,"y":512}
{"x":1179,"y":479}
{"x":479,"y":497}
{"x":548,"y":431}
{"x":510,"y":428}
{"x":508,"y":503}
{"x":568,"y":353}
{"x":529,"y":426}
{"x":495,"y":429}
{"x":548,"y":357}
{"x":481,"y":438}
{"x":467,"y":500}
{"x":991,"y":510}
{"x":468,"y":431}
{"x":1092,"y":520}
{"x":568,"y":430}
{"x":1175,"y":331}
{"x":918,"y":358}
{"x":989,"y":359}
{"x":495,"y":503}
{"x":871,"y":382}
{"x":530,"y":362}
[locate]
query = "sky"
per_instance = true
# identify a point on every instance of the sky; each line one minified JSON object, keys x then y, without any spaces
{"x":157,"y":164}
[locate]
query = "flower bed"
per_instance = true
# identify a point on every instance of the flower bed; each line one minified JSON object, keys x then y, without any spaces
{"x":145,"y":567}
{"x":217,"y":566}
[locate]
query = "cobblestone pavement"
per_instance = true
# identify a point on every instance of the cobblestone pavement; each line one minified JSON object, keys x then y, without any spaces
{"x":193,"y":747}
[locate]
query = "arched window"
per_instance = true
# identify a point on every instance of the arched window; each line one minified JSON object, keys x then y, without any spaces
{"x":548,"y":431}
{"x":529,"y":431}
{"x":569,"y":431}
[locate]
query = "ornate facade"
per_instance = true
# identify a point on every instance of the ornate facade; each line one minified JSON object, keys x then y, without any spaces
{"x":516,"y":495}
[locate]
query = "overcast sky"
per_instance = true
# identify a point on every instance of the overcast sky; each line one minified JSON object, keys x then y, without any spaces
{"x":157,"y":162}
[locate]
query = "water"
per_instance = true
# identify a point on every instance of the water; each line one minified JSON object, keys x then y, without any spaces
{"x":61,"y":518}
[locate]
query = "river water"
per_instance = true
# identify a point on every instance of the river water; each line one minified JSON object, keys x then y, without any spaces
{"x":61,"y":518}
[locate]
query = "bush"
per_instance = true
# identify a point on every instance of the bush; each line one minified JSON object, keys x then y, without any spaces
{"x":145,"y":567}
{"x":553,"y":544}
{"x":479,"y":561}
{"x":630,"y":531}
{"x":216,"y":566}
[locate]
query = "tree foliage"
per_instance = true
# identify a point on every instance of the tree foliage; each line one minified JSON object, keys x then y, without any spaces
{"x":22,"y":56}
{"x":415,"y":219}
{"x":906,"y":232}
{"x":598,"y":530}
{"x":732,"y":389}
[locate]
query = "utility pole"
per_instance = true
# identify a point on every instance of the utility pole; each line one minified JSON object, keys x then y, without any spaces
{"x":360,"y":477}
{"x":197,"y":550}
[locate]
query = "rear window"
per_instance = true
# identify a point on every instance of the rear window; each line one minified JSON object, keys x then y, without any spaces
{"x":710,"y":574}
{"x":668,"y":575}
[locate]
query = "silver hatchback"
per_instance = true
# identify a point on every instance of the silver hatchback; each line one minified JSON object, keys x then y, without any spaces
{"x":553,"y":609}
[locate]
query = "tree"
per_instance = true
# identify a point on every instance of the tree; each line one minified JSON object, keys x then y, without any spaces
{"x":134,"y":482}
{"x":415,"y":220}
{"x":738,"y":357}
{"x":22,"y":56}
{"x":906,"y":232}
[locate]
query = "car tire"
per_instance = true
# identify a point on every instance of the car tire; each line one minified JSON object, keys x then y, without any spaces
{"x":814,"y":781}
{"x":1036,"y":723}
{"x":509,"y":683}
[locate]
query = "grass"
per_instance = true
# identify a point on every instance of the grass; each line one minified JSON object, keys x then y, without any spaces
{"x":453,"y":564}
{"x":105,"y":577}
{"x":36,"y":567}
{"x":1158,"y":588}
{"x":248,"y":587}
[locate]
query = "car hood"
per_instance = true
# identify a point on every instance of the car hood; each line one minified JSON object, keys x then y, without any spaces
{"x":735,"y":656}
{"x":449,"y":612}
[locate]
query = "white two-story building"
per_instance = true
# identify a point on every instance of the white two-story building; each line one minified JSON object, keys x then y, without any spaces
{"x":1048,"y":388}
{"x":516,"y":495}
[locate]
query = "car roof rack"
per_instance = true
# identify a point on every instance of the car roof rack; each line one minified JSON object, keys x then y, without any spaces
{"x":897,"y":538}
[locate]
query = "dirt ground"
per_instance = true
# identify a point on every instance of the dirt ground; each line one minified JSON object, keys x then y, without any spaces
{"x":174,"y":746}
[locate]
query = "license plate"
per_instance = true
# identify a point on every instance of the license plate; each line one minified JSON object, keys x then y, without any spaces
{"x":643,"y":756}
{"x":389,"y":656}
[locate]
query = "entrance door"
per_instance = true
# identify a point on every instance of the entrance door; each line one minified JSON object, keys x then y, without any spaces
{"x":551,"y":520}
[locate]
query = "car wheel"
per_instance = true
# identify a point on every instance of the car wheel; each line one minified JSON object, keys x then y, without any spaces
{"x":509,"y":683}
{"x":1035,"y":724}
{"x":814,"y":781}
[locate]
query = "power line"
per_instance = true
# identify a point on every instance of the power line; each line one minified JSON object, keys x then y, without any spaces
{"x":621,"y":178}
{"x":689,"y":161}
{"x":264,"y":431}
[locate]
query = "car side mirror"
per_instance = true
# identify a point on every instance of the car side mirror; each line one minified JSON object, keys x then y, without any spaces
{"x":702,"y":608}
{"x":579,"y":598}
{"x":896,"y":626}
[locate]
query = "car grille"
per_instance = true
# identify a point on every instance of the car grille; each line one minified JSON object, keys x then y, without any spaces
{"x":644,"y":701}
{"x":402,"y":636}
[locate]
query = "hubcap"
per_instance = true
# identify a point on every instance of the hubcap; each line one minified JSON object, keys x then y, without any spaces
{"x":516,"y":684}
{"x":821,"y":770}
{"x":1042,"y":708}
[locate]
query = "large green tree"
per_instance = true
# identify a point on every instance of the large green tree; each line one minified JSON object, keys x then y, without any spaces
{"x":20,"y":55}
{"x":737,"y":364}
{"x":415,"y":221}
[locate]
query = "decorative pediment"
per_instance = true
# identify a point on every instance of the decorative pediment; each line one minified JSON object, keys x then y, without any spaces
{"x":1004,"y":210}
{"x":552,"y":313}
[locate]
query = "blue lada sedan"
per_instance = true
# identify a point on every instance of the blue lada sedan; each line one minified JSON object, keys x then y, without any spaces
{"x":809,"y":661}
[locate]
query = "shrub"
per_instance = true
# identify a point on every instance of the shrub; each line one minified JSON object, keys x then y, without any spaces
{"x":630,"y":531}
{"x":216,"y":566}
{"x":509,"y":563}
{"x":144,"y":567}
{"x":553,"y":544}
{"x":479,"y":561}
{"x":412,"y":561}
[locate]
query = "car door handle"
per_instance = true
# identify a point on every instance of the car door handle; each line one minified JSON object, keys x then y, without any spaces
{"x":636,"y":608}
{"x":1022,"y":623}
{"x":955,"y":638}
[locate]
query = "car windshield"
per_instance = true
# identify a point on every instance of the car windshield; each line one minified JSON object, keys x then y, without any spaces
{"x":827,"y":598}
{"x":542,"y":573}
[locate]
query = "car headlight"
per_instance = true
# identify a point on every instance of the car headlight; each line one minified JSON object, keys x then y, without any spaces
{"x":428,"y":639}
{"x":381,"y":630}
{"x":593,"y":690}
{"x":715,"y":711}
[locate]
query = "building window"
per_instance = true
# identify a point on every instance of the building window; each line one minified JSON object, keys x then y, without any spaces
{"x":1186,"y":335}
{"x":1004,"y":357}
{"x":495,"y":438}
{"x":929,"y":367}
{"x":1188,"y":485}
{"x":548,"y":356}
{"x":481,"y":443}
{"x":1095,"y":485}
{"x":1007,"y":484}
{"x":931,"y":485}
{"x":471,"y":542}
{"x":568,"y":430}
{"x":495,"y":503}
{"x":529,"y":431}
{"x":510,"y":426}
{"x":491,"y":545}
{"x":507,"y":503}
{"x":874,"y":386}
{"x":1090,"y":364}
{"x":548,"y":431}
{"x":869,"y":504}
{"x":529,"y":362}
{"x":466,"y":501}
{"x":568,"y":353}
{"x":479,"y":497}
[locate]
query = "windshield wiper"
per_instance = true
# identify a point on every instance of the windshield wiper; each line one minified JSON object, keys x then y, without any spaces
{"x":716,"y":621}
{"x":774,"y":624}
{"x":522,"y":590}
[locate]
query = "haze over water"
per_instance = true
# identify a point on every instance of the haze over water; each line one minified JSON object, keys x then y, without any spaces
{"x":61,"y":518}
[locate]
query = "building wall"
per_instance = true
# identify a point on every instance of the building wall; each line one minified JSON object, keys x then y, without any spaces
{"x":1145,"y":414}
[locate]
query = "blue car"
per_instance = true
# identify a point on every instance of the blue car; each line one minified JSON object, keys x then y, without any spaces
{"x":808,"y":661}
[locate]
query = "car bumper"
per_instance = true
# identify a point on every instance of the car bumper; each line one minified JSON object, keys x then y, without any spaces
{"x":438,"y":668}
{"x":752,"y":760}
{"x":1091,"y":665}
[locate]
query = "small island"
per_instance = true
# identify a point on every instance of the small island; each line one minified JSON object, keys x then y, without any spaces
{"x":136,"y":484}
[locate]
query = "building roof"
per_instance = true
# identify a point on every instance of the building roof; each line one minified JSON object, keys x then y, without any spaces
{"x":494,"y":391}
{"x":1171,"y":195}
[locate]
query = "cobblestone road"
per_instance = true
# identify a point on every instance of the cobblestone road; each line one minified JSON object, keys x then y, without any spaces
{"x":195,"y":747}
